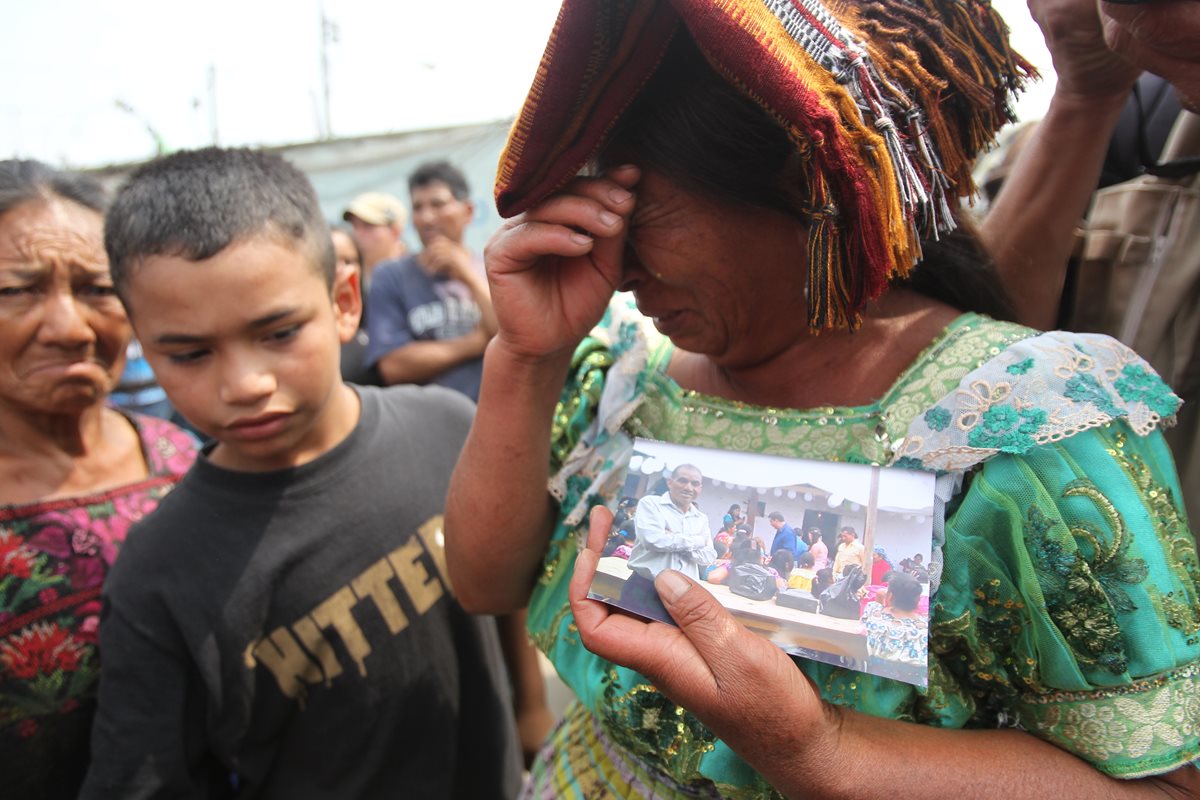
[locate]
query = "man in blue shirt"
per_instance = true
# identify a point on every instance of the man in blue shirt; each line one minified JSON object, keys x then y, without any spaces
{"x":785,"y":537}
{"x":429,"y":316}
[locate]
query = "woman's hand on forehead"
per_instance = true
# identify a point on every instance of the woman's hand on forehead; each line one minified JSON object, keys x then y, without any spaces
{"x":553,"y":269}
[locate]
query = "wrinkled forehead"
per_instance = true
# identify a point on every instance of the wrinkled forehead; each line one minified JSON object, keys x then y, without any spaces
{"x":43,"y":233}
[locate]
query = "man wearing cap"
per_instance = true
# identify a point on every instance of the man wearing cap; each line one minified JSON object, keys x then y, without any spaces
{"x":429,"y":315}
{"x":378,"y":221}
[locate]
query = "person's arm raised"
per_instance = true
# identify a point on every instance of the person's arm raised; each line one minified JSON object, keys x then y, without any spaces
{"x":552,"y":272}
{"x":455,"y":260}
{"x":1030,"y":229}
{"x":716,"y":668}
{"x":1161,"y":37}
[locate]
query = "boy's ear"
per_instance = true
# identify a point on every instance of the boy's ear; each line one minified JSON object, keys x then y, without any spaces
{"x":347,"y":301}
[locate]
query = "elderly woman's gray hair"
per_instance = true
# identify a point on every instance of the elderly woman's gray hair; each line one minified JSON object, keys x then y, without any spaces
{"x":24,"y":181}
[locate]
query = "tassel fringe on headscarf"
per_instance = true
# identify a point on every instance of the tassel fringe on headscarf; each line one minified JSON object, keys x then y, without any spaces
{"x":890,"y":100}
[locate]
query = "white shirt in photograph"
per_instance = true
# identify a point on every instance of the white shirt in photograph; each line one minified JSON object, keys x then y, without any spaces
{"x":668,"y":538}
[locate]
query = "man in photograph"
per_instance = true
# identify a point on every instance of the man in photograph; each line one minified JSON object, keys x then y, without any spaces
{"x":672,"y":533}
{"x":785,"y":537}
{"x":850,"y":551}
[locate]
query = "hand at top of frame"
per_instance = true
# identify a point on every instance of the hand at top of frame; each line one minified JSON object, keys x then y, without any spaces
{"x":553,"y":269}
{"x":1085,"y":65}
{"x":1162,"y":37}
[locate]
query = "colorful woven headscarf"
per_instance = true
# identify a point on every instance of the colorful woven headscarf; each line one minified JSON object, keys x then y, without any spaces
{"x":891,"y":100}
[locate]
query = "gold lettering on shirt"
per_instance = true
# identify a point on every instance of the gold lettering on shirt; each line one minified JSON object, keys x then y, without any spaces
{"x":335,"y":613}
{"x":288,"y":662}
{"x":306,"y":631}
{"x":431,"y":534}
{"x":423,"y":589}
{"x":374,"y":584}
{"x":304,"y":653}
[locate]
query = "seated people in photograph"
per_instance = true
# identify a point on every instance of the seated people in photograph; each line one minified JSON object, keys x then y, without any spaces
{"x":723,"y":538}
{"x":896,"y":631}
{"x":782,"y":564}
{"x":672,"y":533}
{"x":620,"y":541}
{"x":746,"y":550}
{"x":822,"y":580}
{"x":916,"y":568}
{"x":803,"y":575}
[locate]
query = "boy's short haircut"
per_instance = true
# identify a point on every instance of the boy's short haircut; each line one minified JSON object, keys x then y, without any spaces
{"x":441,"y":172}
{"x":195,"y":203}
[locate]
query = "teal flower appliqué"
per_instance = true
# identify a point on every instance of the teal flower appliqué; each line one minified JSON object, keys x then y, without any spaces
{"x":1021,"y":367}
{"x":1007,"y":429}
{"x":627,"y":335}
{"x":908,"y":462}
{"x":1138,"y":384}
{"x":937,"y":418}
{"x":1084,"y":388}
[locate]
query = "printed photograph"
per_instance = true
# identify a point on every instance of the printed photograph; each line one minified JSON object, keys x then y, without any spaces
{"x":829,"y":561}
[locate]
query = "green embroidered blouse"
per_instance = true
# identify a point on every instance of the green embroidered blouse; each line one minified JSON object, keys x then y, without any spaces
{"x":1067,"y":587}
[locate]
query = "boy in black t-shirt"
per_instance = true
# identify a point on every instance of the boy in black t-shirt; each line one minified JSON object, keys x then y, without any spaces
{"x":283,"y":625}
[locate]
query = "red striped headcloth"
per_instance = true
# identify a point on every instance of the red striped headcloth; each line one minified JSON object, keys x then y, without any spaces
{"x":890,"y":99}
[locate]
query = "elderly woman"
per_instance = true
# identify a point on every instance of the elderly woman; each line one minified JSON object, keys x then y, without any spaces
{"x":754,"y":158}
{"x":74,"y":473}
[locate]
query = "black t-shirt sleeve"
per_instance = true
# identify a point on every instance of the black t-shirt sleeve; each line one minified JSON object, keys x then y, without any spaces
{"x":148,"y":735}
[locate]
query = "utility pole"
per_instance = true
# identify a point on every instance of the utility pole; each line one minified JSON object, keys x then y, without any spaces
{"x":329,"y":35}
{"x":160,"y":145}
{"x":212,"y":104}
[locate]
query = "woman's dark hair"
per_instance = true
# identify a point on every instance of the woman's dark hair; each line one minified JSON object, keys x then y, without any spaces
{"x":807,"y":559}
{"x":740,"y":537}
{"x":783,"y":561}
{"x":904,"y":592}
{"x":32,"y":181}
{"x":702,"y":133}
{"x":697,"y":129}
{"x":823,"y":580}
{"x":746,"y":552}
{"x":959,"y":272}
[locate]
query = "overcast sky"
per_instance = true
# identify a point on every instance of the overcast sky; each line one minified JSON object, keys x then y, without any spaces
{"x":85,"y":83}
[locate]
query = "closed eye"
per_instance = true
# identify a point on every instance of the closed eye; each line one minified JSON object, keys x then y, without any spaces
{"x":98,"y":290}
{"x":284,"y":334}
{"x":188,"y":357}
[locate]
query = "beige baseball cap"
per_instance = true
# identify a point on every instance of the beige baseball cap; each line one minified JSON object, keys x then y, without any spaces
{"x":377,"y":208}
